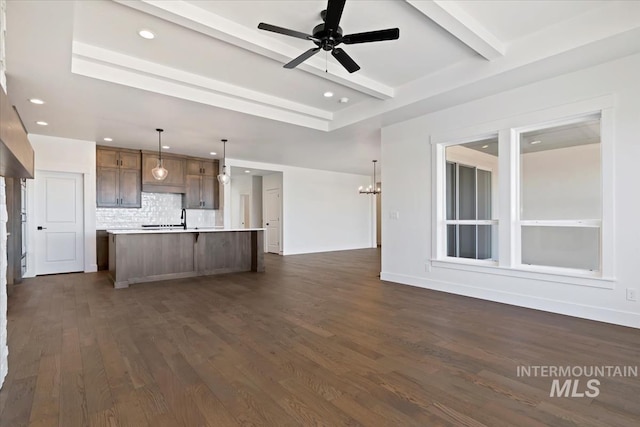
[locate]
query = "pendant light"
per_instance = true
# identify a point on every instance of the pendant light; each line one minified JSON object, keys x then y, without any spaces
{"x":159,"y":172}
{"x":371,"y":189}
{"x":223,"y":177}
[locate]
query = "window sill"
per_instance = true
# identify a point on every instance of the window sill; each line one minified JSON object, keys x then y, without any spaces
{"x":550,"y":274}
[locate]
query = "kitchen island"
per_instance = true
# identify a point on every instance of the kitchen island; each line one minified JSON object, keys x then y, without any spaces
{"x":150,"y":255}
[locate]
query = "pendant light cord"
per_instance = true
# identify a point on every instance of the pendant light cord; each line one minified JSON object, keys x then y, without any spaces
{"x":224,"y":155}
{"x":159,"y":144}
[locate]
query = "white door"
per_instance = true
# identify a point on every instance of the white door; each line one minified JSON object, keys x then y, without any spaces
{"x":272,"y":221}
{"x":60,"y":228}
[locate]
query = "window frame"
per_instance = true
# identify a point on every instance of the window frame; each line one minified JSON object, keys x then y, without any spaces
{"x":476,"y":222}
{"x":581,"y":223}
{"x":509,"y":226}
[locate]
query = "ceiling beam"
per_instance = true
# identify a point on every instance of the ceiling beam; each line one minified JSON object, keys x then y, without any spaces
{"x":114,"y":67}
{"x":190,"y":16}
{"x":461,"y":25}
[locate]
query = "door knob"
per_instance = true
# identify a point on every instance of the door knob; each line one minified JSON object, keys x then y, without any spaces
{"x":41,"y":227}
{"x":267,"y":223}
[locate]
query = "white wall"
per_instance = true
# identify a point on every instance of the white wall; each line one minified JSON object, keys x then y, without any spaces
{"x":4,"y":350}
{"x":64,"y":155}
{"x":240,"y":184}
{"x":407,"y":152}
{"x":256,"y":202}
{"x":321,"y":210}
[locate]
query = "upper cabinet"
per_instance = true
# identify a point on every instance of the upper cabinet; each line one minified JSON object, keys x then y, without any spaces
{"x":176,"y":167}
{"x":123,"y":174}
{"x":202,"y":167}
{"x":118,"y":178}
{"x":202,"y":191}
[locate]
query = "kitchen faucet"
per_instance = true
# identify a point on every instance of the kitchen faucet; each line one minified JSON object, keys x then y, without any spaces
{"x":183,"y":218}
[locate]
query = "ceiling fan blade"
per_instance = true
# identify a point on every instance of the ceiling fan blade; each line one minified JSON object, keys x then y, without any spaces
{"x":372,"y":36}
{"x":345,"y":60}
{"x":285,"y":31}
{"x":334,"y":13}
{"x":300,"y":59}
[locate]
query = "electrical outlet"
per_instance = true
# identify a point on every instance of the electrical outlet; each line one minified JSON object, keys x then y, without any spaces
{"x":632,"y":294}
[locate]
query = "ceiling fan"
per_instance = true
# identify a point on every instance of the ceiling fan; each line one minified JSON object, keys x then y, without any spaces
{"x":328,"y":36}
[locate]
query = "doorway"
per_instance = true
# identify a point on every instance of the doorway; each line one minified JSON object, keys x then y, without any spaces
{"x":59,"y":221}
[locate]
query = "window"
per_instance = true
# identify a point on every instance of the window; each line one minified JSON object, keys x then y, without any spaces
{"x":470,"y":199}
{"x":526,"y":200}
{"x":560,"y":195}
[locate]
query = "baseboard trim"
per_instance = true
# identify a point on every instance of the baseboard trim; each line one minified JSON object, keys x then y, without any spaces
{"x":616,"y":317}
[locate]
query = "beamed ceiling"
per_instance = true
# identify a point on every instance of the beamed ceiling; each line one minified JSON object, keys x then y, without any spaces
{"x":211,"y":74}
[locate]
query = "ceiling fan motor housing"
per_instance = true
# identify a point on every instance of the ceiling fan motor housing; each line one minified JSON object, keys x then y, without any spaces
{"x":322,"y":39}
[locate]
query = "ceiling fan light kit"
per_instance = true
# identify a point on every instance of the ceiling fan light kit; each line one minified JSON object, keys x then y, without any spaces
{"x":328,"y":36}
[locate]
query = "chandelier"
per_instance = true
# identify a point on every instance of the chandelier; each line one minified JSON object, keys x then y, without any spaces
{"x":371,"y":189}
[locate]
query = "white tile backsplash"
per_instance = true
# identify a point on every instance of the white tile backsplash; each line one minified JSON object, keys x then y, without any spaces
{"x":157,"y":208}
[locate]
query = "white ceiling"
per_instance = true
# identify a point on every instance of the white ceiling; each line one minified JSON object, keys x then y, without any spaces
{"x":211,"y":74}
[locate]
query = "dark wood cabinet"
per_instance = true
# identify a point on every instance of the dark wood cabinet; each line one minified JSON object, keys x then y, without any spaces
{"x":202,"y":167}
{"x":102,"y":249}
{"x":118,"y":183}
{"x":201,"y":191}
{"x":176,"y":177}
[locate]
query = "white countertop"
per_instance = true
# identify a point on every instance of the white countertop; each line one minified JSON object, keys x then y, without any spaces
{"x":180,"y":230}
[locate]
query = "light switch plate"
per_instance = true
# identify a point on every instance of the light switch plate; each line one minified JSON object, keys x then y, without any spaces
{"x":394,"y":215}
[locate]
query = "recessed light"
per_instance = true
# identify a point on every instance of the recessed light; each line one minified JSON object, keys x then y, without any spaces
{"x":166,"y":147}
{"x":146,"y":34}
{"x":328,"y":94}
{"x":41,"y":123}
{"x":213,"y":153}
{"x":535,"y":142}
{"x":107,"y":139}
{"x":343,"y":100}
{"x":247,"y":171}
{"x":36,"y":101}
{"x":485,"y":146}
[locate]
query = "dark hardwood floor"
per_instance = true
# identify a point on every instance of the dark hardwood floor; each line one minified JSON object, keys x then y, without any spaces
{"x":316,"y":340}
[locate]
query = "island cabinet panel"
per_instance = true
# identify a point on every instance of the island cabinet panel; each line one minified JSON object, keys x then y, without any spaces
{"x":176,"y":177}
{"x":118,"y":174}
{"x":223,"y":252}
{"x":139,"y":256}
{"x":135,"y":258}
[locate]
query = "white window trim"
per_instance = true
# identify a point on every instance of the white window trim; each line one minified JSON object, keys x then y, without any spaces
{"x":508,"y":130}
